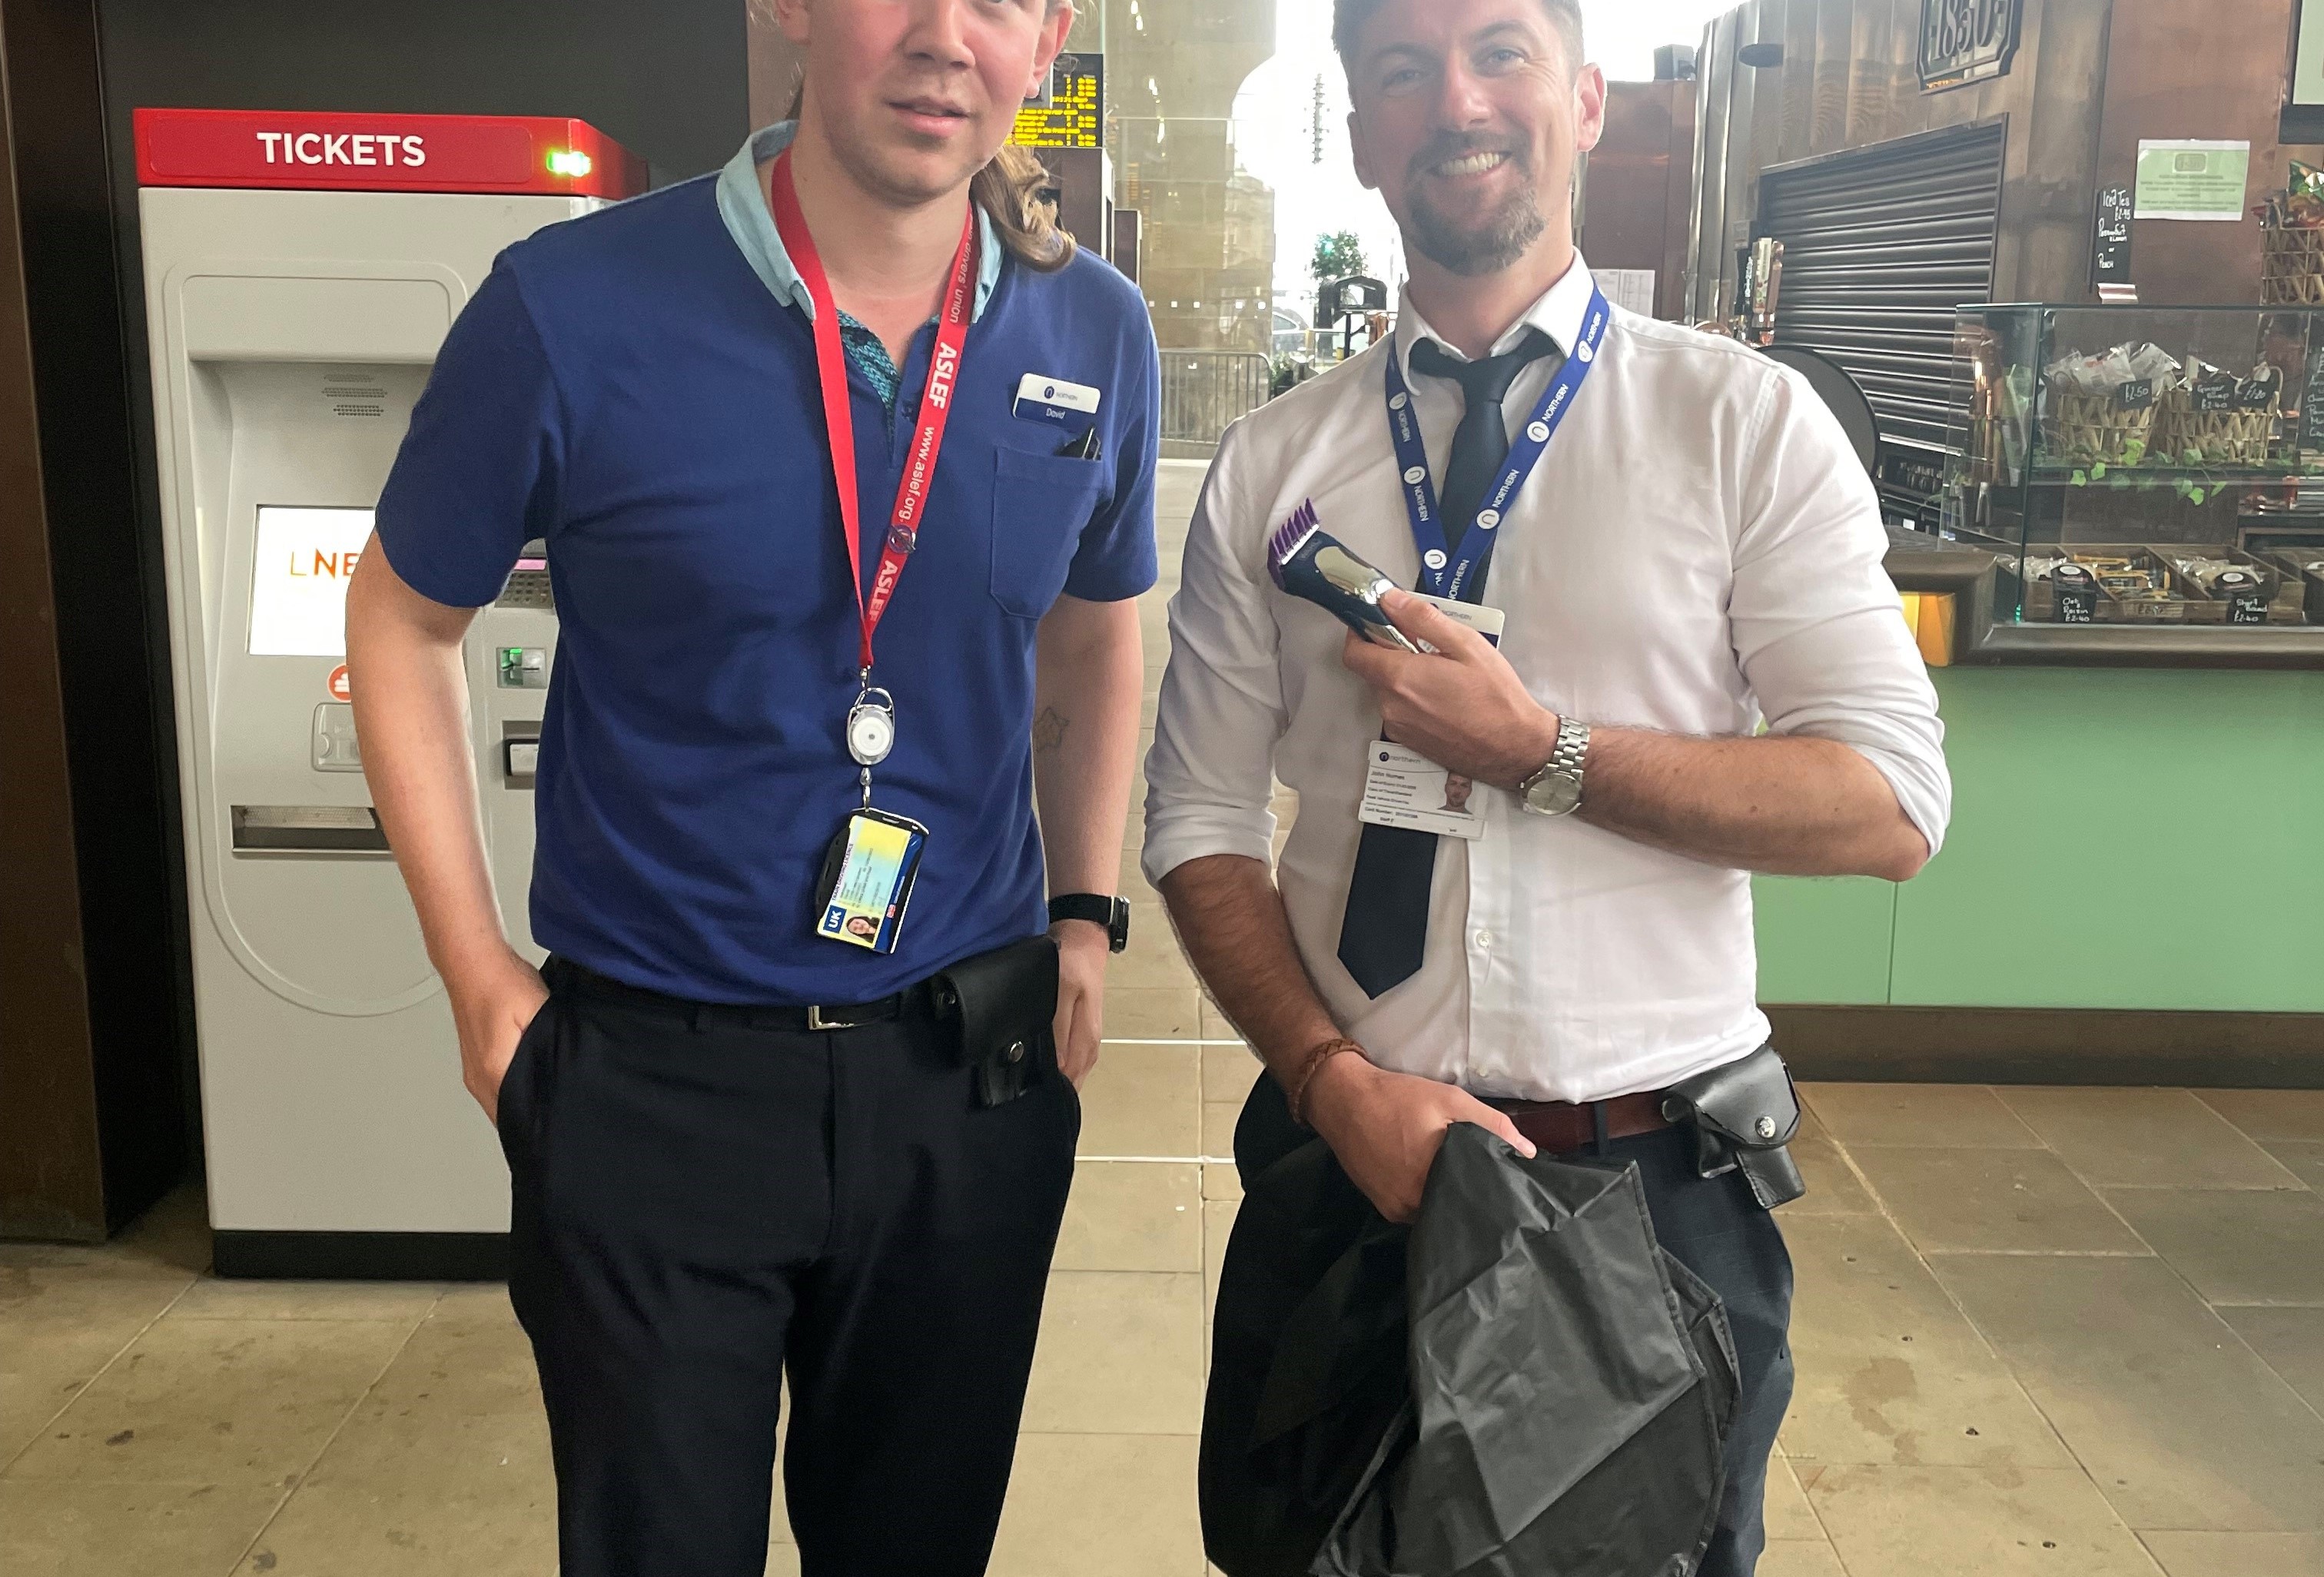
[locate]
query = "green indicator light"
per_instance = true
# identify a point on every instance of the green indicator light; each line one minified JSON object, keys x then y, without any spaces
{"x":569,"y":162}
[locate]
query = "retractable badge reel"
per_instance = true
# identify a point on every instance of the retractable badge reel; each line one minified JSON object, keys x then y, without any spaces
{"x":870,"y":731}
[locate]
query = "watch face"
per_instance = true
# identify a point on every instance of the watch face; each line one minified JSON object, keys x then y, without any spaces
{"x":1554,"y":793}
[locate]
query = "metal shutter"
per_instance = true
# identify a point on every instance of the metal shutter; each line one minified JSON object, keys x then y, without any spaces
{"x":1880,"y":245}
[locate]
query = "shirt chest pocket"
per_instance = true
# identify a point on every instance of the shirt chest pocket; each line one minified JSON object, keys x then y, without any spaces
{"x":1040,"y":503}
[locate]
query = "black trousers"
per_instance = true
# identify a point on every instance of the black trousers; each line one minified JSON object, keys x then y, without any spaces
{"x":1714,"y":1228}
{"x":704,"y":1202}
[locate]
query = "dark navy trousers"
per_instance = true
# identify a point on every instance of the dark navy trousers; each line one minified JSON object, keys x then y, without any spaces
{"x":705,"y":1206}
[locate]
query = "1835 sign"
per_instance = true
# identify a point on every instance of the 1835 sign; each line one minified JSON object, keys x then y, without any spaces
{"x":1967,"y":41}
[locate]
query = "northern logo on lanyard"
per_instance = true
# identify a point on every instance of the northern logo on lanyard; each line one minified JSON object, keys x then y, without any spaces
{"x":1458,"y":572}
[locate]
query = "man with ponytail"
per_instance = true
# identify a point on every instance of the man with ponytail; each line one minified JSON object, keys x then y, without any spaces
{"x":844,"y":459}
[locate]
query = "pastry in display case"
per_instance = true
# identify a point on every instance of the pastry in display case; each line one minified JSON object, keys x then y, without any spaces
{"x":2151,"y":467}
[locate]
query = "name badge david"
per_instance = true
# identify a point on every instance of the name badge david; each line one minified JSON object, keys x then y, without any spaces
{"x":1040,"y":397}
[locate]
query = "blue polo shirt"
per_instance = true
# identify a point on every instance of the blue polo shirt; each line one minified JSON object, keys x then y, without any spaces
{"x":638,"y":387}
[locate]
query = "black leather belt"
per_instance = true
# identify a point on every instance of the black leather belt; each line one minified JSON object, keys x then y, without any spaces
{"x":914,"y":1002}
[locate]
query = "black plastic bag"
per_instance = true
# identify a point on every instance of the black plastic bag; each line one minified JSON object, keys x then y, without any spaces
{"x":1523,"y":1383}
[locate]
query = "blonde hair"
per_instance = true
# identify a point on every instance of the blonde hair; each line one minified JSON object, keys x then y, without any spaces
{"x":1008,"y":188}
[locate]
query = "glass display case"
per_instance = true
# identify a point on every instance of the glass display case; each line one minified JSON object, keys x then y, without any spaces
{"x":2152,"y":469}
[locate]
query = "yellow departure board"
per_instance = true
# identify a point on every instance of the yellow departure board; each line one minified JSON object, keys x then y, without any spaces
{"x":1074,"y":115}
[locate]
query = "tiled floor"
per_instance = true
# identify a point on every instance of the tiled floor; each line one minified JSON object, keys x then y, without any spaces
{"x":2064,"y":1333}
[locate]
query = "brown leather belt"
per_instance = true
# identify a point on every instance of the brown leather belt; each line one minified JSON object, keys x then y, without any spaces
{"x":1561,"y":1127}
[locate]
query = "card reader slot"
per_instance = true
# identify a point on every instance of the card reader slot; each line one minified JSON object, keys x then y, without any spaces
{"x":308,"y":829}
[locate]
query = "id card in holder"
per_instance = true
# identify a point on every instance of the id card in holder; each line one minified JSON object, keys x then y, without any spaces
{"x":1403,"y":788}
{"x":1485,"y":620}
{"x":867,"y":878}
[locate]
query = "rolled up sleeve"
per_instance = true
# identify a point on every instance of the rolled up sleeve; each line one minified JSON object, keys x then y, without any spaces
{"x":1211,"y":773}
{"x":1817,"y":627}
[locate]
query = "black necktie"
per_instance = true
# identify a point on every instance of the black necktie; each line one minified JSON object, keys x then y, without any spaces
{"x":1384,"y":930}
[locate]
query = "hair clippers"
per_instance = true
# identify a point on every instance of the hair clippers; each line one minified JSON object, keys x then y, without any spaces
{"x":1307,"y":561}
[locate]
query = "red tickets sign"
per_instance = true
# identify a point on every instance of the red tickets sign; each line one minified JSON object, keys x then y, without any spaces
{"x":334,"y":152}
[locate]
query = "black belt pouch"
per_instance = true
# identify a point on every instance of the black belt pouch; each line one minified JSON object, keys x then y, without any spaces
{"x":1004,"y":1007}
{"x":1744,"y":1115}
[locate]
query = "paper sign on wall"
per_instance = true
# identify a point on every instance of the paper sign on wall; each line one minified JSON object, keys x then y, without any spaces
{"x":2191,"y":181}
{"x":1632,"y":289}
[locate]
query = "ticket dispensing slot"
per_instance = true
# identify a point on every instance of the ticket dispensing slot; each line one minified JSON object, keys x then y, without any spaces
{"x":308,"y":829}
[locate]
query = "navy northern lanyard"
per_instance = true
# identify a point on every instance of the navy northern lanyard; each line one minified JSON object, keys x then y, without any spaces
{"x":1457,"y":574}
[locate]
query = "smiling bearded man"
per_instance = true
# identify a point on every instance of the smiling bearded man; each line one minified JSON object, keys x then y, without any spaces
{"x":1699,"y":673}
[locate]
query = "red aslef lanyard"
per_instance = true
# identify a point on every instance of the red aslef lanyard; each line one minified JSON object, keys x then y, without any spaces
{"x":831,"y":370}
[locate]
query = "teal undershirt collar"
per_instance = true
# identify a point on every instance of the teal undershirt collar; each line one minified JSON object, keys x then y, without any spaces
{"x":744,"y":207}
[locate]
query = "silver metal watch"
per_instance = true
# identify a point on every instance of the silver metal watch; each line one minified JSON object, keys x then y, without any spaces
{"x":1556,"y":788}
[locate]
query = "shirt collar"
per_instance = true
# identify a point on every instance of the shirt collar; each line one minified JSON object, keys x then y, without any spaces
{"x":742,"y":204}
{"x":1557,"y":312}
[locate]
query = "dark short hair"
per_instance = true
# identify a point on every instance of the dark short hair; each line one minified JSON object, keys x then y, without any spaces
{"x":1349,"y":16}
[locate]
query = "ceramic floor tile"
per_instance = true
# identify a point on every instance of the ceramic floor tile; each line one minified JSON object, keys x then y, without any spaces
{"x":2266,"y":1115}
{"x":2234,"y":1247}
{"x":1152,"y":962}
{"x":212,"y":1299}
{"x":1219,"y":1120}
{"x":1887,"y":1370}
{"x":2178,"y":1424}
{"x":456,"y":1413}
{"x":2158,"y":1138}
{"x":1800,"y":1558}
{"x":1120,"y":1354}
{"x":215,"y":1401}
{"x":384,"y":1530}
{"x":1785,"y":1508}
{"x":2238,"y":1554}
{"x":1834,"y":1188}
{"x":1222,"y":1182}
{"x":1137,"y":1013}
{"x":1228,"y":1071}
{"x":1133,"y":1215}
{"x":63,"y":1317}
{"x":2303,"y":1158}
{"x":1216,"y":1026}
{"x":29,"y":1399}
{"x":1955,"y":1116}
{"x":129,"y":1530}
{"x":1987,"y":1522}
{"x":1101,"y":1505}
{"x":2009,"y":1201}
{"x":1143,"y":1101}
{"x":2290,"y":1341}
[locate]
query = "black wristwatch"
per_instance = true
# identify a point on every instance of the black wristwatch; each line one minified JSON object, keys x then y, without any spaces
{"x":1112,"y":913}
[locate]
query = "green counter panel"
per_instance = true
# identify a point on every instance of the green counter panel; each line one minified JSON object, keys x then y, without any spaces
{"x":1824,"y":940}
{"x":2121,"y":838}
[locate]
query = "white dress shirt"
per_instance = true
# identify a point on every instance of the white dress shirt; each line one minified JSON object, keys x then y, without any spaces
{"x":1698,"y":550}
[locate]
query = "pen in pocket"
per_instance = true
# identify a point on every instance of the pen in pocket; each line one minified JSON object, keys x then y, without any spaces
{"x":1084,"y":447}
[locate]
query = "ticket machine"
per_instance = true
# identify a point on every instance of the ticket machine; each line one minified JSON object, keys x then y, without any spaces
{"x":300,"y":272}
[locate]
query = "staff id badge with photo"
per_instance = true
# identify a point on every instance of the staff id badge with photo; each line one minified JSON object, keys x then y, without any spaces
{"x":867,"y":880}
{"x":1403,"y":788}
{"x":1485,"y":620}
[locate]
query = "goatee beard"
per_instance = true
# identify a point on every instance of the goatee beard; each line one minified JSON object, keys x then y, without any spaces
{"x":1473,"y":247}
{"x":1469,"y":245}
